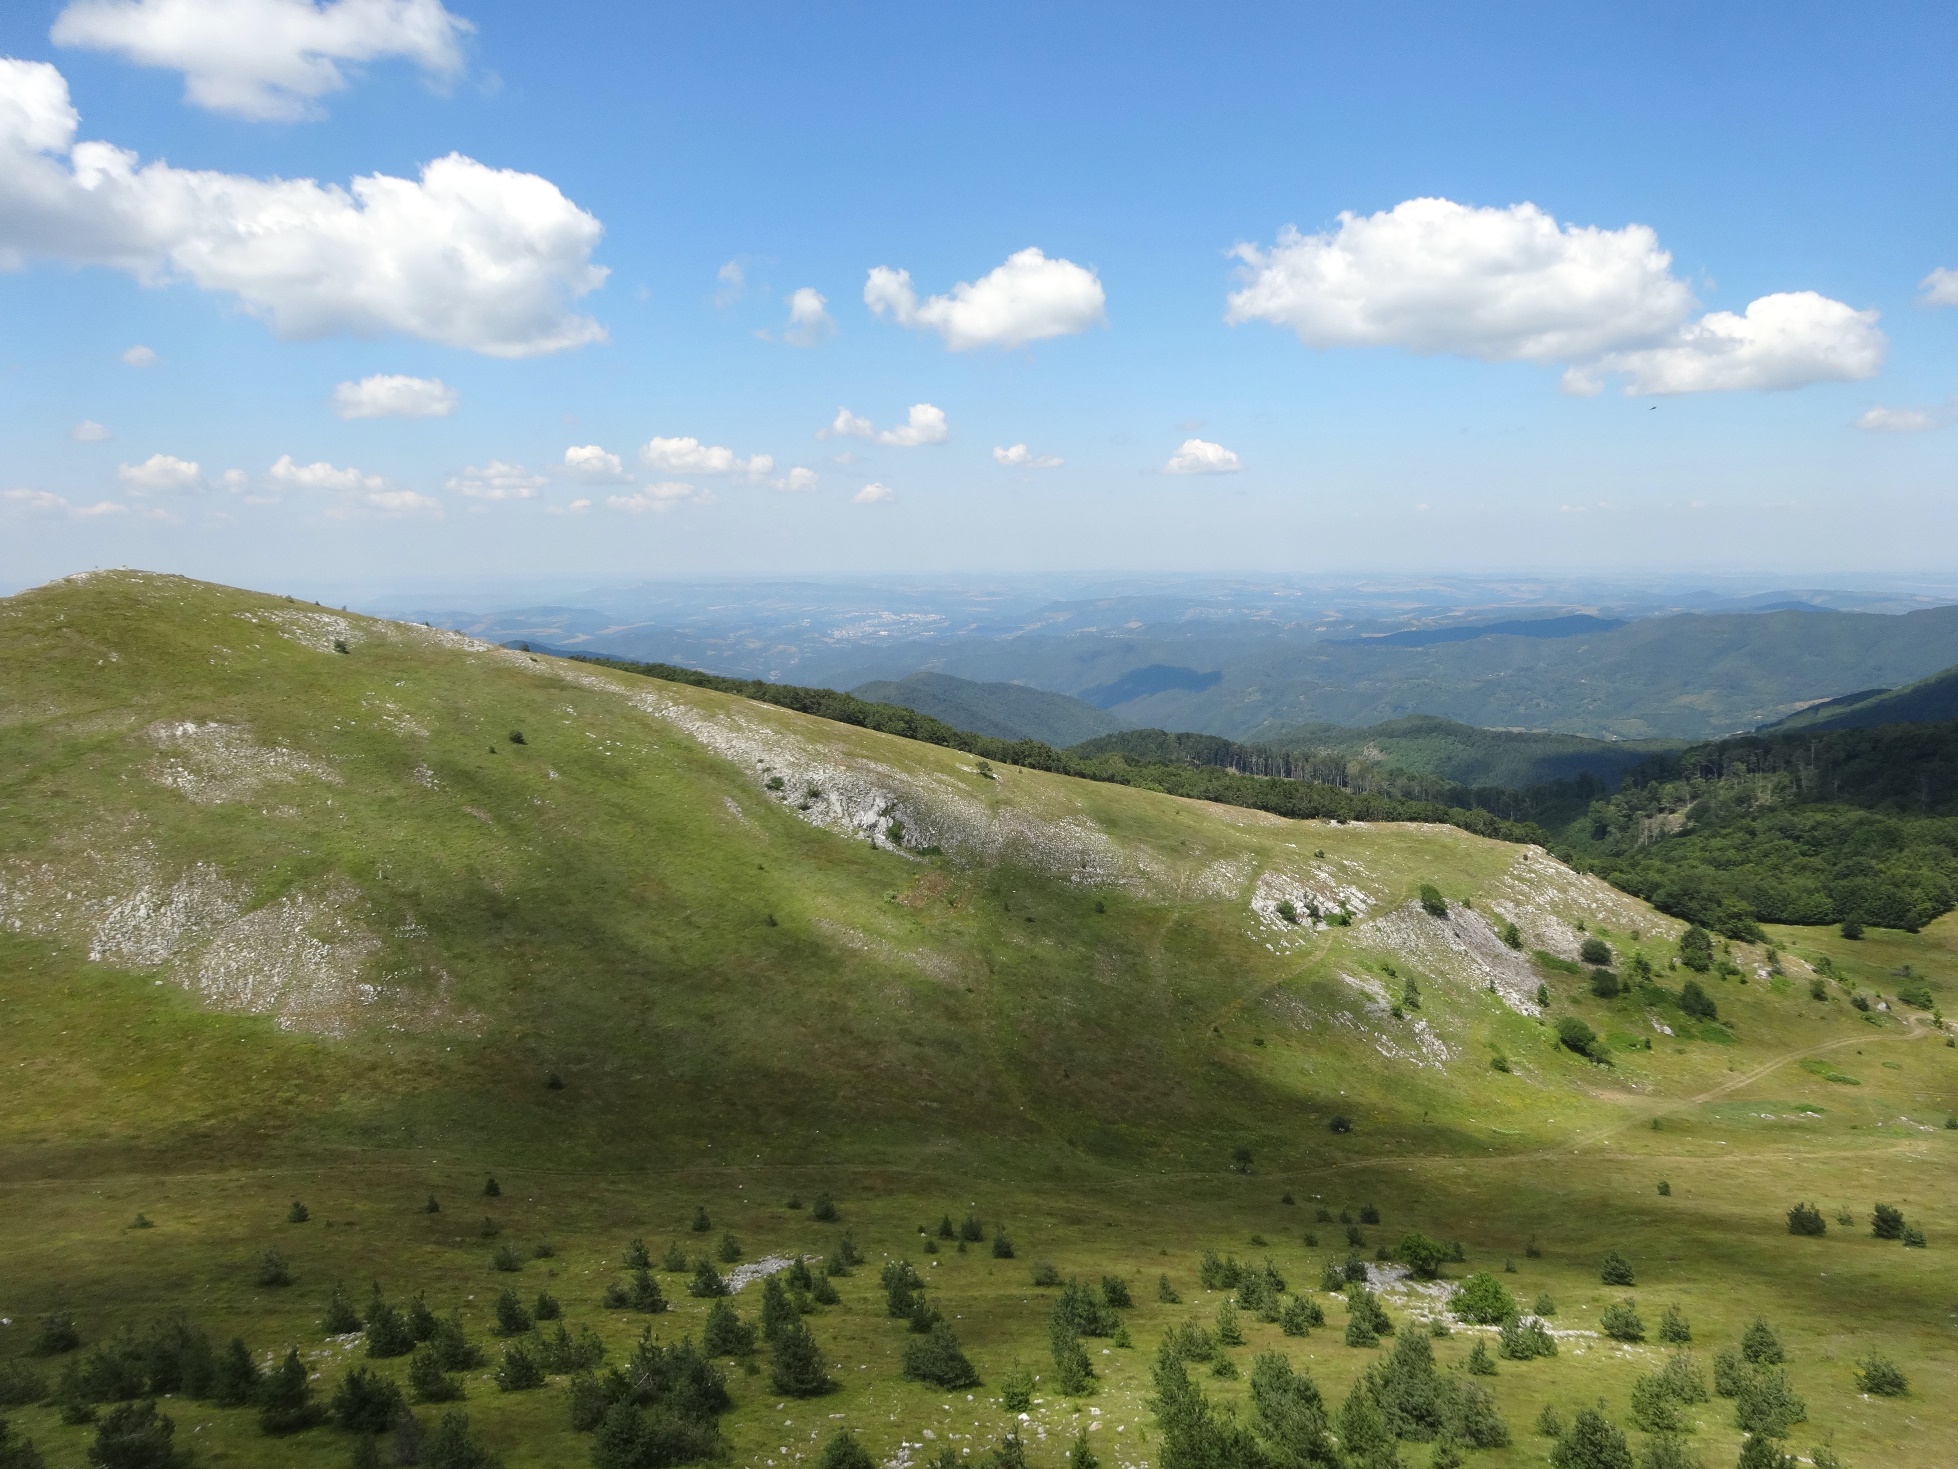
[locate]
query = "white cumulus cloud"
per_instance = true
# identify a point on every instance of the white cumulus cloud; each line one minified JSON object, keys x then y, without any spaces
{"x":1881,"y":420}
{"x":809,"y":320}
{"x":1782,"y":341}
{"x":924,"y":424}
{"x":1513,"y":284}
{"x":43,"y":502}
{"x":1019,"y":456}
{"x":475,"y":257}
{"x":161,"y":474}
{"x":320,"y":475}
{"x":88,"y":431}
{"x":1940,"y":287}
{"x":589,"y":461}
{"x":1028,"y":299}
{"x":690,"y":456}
{"x":1200,"y":456}
{"x":266,"y":59}
{"x":797,"y":480}
{"x":496,"y":481}
{"x":872,"y":494}
{"x":389,"y":395}
{"x":659,"y":498}
{"x":137,"y":356}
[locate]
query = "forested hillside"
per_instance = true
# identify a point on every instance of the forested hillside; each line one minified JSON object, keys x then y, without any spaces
{"x":1856,"y":826}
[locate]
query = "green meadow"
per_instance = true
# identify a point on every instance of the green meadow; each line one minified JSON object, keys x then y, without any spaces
{"x":298,"y":906}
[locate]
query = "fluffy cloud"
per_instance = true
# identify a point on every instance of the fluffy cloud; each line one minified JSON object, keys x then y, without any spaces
{"x":266,"y":59}
{"x":872,"y":494}
{"x":320,"y":475}
{"x":496,"y":481}
{"x":1200,"y":456}
{"x":1504,"y":285}
{"x":161,"y":474}
{"x":392,"y":396}
{"x":925,"y":424}
{"x":475,"y":257}
{"x":1783,"y":341}
{"x":797,"y":479}
{"x":88,"y":431}
{"x":1028,"y":299}
{"x":1880,"y":420}
{"x":137,"y":356}
{"x":690,"y":456}
{"x":42,"y":502}
{"x":659,"y":498}
{"x":1940,"y":287}
{"x":733,"y":282}
{"x":589,"y":461}
{"x":1019,"y":456}
{"x":809,"y":321}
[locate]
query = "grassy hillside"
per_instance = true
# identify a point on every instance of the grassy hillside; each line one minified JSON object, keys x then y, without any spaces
{"x":280,"y":921}
{"x":1006,"y":711}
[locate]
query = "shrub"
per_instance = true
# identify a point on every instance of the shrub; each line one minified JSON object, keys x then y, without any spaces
{"x":1760,"y":1345}
{"x":387,"y":1333}
{"x":730,"y":1249}
{"x":1074,"y":1374}
{"x":452,"y":1348}
{"x":18,"y":1453}
{"x":134,"y":1436}
{"x":1621,"y":1322}
{"x":431,"y":1207}
{"x":56,"y":1335}
{"x":945,"y":1229}
{"x":701,"y":1223}
{"x":1341,"y":1123}
{"x":20,"y":1385}
{"x":1544,"y":1305}
{"x":1002,"y":1246}
{"x":285,"y":1398}
{"x":1433,"y":901}
{"x":272,"y":1272}
{"x":824,"y":1209}
{"x":1759,"y":1452}
{"x":706,"y":1282}
{"x":1696,"y":949}
{"x":823,"y":1293}
{"x":1474,"y":1419}
{"x":366,"y":1402}
{"x":1604,"y":984}
{"x":1016,"y":1390}
{"x":1851,"y":929}
{"x":1046,"y":1274}
{"x":1512,"y":936}
{"x":1366,"y":1321}
{"x":1165,"y":1292}
{"x":1422,"y":1255}
{"x":1549,"y":1422}
{"x":937,"y":1359}
{"x":675,"y":1261}
{"x":1673,"y":1327}
{"x":428,"y":1382}
{"x":1615,"y":1269}
{"x":796,"y":1363}
{"x":1082,"y":1311}
{"x":451,"y":1447}
{"x":1807,"y":1219}
{"x":547,"y":1307}
{"x":491,"y":1188}
{"x":1887,"y":1222}
{"x":1524,"y":1338}
{"x":1594,"y":950}
{"x":1881,"y":1376}
{"x":1480,"y":1363}
{"x":1668,"y":1452}
{"x":1730,"y":1373}
{"x":1229,"y":1333}
{"x":489,"y":1228}
{"x":842,"y":1451}
{"x":1766,"y":1405}
{"x":340,"y":1319}
{"x":562,"y":1352}
{"x":642,"y":1294}
{"x":1665,"y":1188}
{"x":511,"y":1318}
{"x":520,"y":1371}
{"x":1914,"y":1238}
{"x":1115,"y":1292}
{"x":638,"y":1258}
{"x":1695,"y":1001}
{"x":1482,"y":1299}
{"x":726,"y":1334}
{"x":971,"y":1230}
{"x":778,"y":1312}
{"x":1574,"y":1035}
{"x":298,"y":1213}
{"x":1593,"y":1442}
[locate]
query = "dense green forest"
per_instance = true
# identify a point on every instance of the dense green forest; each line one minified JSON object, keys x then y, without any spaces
{"x":1856,"y":826}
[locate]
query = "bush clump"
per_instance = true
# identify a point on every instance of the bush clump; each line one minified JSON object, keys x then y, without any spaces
{"x":1524,"y":1338}
{"x":795,"y":1363}
{"x":1615,"y":1269}
{"x":1621,"y":1322}
{"x":1887,"y":1222}
{"x":937,"y":1359}
{"x":1807,"y":1219}
{"x":1879,"y":1375}
{"x":1482,"y":1299}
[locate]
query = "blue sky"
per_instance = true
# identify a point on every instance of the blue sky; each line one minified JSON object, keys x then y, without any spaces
{"x":1439,"y":386}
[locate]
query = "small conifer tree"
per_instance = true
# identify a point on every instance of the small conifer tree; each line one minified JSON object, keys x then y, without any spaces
{"x":796,"y":1363}
{"x":726,"y":1334}
{"x":285,"y":1398}
{"x":520,"y":1370}
{"x":511,"y":1317}
{"x":1617,"y":1270}
{"x":706,"y":1282}
{"x":1165,"y":1292}
{"x":1002,"y":1246}
{"x":1674,"y":1329}
{"x":701,"y":1223}
{"x":428,"y":1382}
{"x":272,"y":1272}
{"x":298,"y":1213}
{"x":340,"y":1319}
{"x":1760,"y":1344}
{"x":492,"y":1189}
{"x":637,"y":1257}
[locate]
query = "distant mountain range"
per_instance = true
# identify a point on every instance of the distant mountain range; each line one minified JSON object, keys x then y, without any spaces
{"x":1005,"y":711}
{"x":1927,"y":701}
